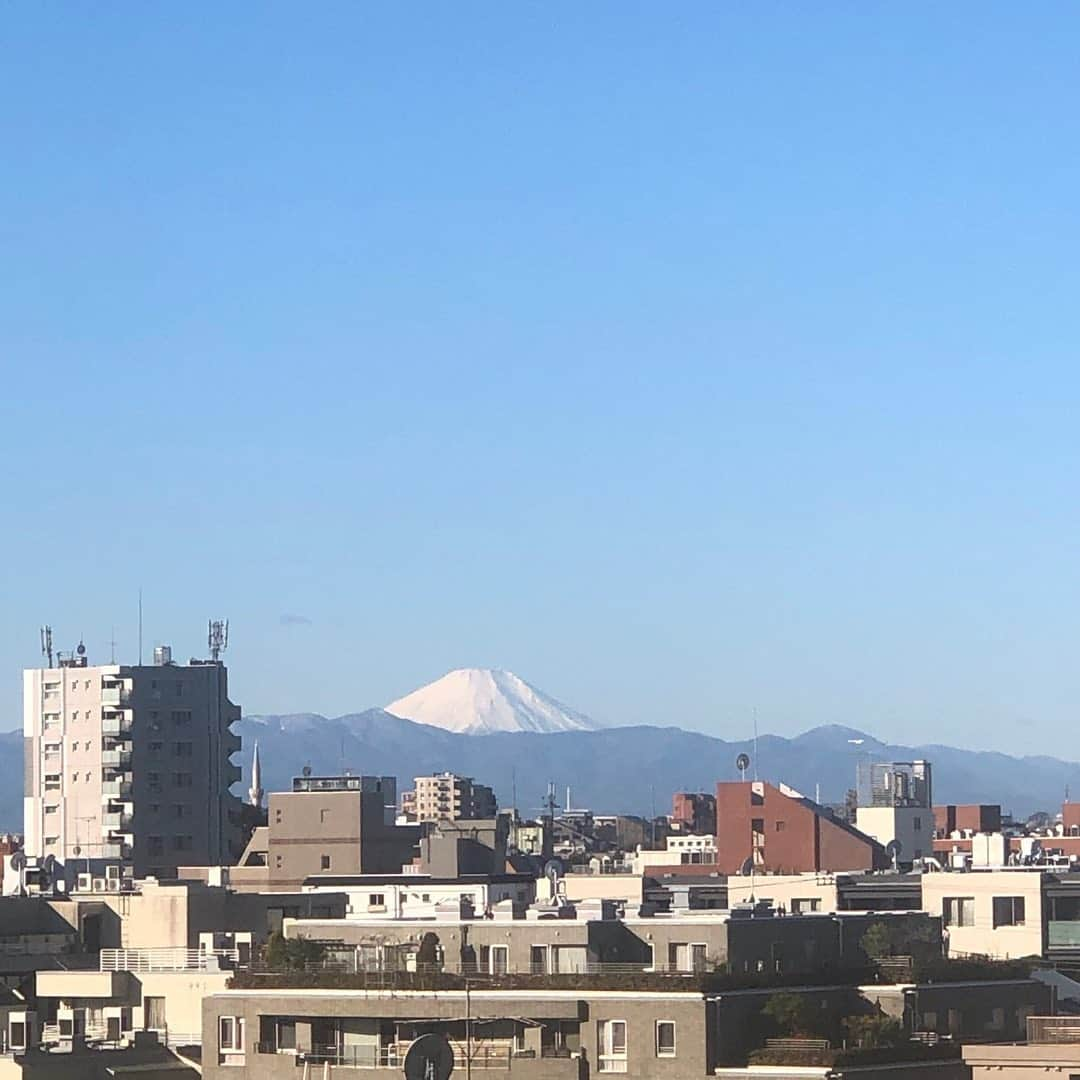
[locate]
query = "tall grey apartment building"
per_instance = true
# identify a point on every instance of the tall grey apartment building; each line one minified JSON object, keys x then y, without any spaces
{"x":130,"y":766}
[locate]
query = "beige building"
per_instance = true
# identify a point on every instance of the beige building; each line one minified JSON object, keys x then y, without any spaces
{"x":995,"y":913}
{"x":325,"y":826}
{"x":1052,"y":1049}
{"x":129,"y":767}
{"x":447,"y":796}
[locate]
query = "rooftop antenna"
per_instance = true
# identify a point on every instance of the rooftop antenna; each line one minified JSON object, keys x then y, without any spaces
{"x":112,"y":644}
{"x":46,"y":643}
{"x":140,"y":626}
{"x":217,"y":637}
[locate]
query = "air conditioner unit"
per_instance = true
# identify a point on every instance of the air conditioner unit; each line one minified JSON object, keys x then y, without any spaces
{"x":112,"y":884}
{"x":84,"y":882}
{"x":99,"y":884}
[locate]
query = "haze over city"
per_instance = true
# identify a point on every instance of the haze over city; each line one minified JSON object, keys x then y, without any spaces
{"x":685,"y":364}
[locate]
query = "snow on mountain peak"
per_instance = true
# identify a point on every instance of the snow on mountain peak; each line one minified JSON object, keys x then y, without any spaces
{"x":480,"y":701}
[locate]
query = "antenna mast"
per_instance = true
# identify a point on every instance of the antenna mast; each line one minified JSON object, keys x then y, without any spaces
{"x":217,"y":637}
{"x":46,"y":643}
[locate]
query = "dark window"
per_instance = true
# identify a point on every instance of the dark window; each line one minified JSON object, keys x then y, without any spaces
{"x":324,"y":862}
{"x":181,"y":717}
{"x":182,"y":749}
{"x":155,"y":845}
{"x":182,"y":843}
{"x":1008,"y":911}
{"x":153,"y":782}
{"x":181,"y":779}
{"x":180,"y":810}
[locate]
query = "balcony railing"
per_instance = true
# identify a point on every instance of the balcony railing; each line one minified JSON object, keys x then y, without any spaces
{"x":393,"y":1056}
{"x":115,"y":789}
{"x":1062,"y":933}
{"x":1053,"y":1029}
{"x":116,"y":726}
{"x":147,"y":960}
{"x":115,"y":759}
{"x":117,"y":822}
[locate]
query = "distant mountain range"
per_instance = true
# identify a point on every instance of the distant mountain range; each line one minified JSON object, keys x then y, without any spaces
{"x":633,"y":769}
{"x":496,"y":727}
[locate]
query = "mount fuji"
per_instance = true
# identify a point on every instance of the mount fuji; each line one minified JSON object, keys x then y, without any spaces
{"x":485,"y":701}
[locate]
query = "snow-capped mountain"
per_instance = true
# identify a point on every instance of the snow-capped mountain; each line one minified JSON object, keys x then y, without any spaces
{"x":482,"y":701}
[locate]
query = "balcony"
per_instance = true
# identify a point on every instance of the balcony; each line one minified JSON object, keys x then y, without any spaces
{"x":115,"y":695}
{"x":115,"y":758}
{"x":116,"y":822}
{"x":115,"y":789}
{"x":116,"y":724}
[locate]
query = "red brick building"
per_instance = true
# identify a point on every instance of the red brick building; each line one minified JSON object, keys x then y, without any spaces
{"x":984,"y":818}
{"x":694,"y":812}
{"x":786,"y":833}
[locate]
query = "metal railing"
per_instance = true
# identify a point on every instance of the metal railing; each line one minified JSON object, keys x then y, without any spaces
{"x":391,"y":1056}
{"x":1053,"y":1029}
{"x":177,"y":959}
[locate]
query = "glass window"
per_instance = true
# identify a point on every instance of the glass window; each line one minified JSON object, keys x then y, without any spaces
{"x":958,"y":910}
{"x":665,"y":1038}
{"x":611,"y":1056}
{"x":1008,"y":911}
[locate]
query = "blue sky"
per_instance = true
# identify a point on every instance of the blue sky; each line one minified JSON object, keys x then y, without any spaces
{"x":687,"y":362}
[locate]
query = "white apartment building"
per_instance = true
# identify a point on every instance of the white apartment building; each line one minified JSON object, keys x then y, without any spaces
{"x":129,"y":766}
{"x":448,"y":797}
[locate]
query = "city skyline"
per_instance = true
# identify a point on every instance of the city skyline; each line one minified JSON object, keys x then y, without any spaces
{"x":688,"y":367}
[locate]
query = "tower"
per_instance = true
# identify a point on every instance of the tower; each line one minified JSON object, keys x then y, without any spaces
{"x":255,"y":792}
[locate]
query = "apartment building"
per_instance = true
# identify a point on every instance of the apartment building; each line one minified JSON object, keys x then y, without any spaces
{"x":778,"y":830}
{"x":538,"y":1034}
{"x":447,"y":796}
{"x":1052,"y":1048}
{"x":129,"y":767}
{"x":896,"y":807}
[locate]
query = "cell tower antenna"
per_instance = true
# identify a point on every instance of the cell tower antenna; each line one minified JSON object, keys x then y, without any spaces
{"x":755,"y":744}
{"x":46,"y":643}
{"x":140,"y":626}
{"x":217,"y":637}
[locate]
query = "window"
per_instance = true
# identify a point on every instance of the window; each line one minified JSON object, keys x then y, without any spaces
{"x":324,"y":862}
{"x":182,"y":749}
{"x":916,"y":824}
{"x":665,"y":1038}
{"x":52,"y":841}
{"x":277,"y":817}
{"x":182,"y":843}
{"x":74,"y":746}
{"x":51,"y":809}
{"x":180,"y":810}
{"x":153,"y":782}
{"x":179,"y":688}
{"x":231,"y":1033}
{"x":156,"y":747}
{"x":181,"y":779}
{"x":611,"y":1051}
{"x":324,"y":816}
{"x":376,"y":900}
{"x":155,"y":845}
{"x":958,"y":910}
{"x":803,"y":905}
{"x":153,"y":808}
{"x":781,"y":826}
{"x":1008,"y":911}
{"x":285,"y":1035}
{"x":181,"y":717}
{"x":929,"y":1020}
{"x":500,"y":959}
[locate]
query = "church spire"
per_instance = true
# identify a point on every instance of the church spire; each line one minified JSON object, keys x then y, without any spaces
{"x":255,"y":792}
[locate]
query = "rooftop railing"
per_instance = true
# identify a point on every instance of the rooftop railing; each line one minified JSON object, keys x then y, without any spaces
{"x":178,"y":959}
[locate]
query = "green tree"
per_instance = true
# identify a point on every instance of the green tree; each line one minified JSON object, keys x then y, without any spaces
{"x":293,"y":954}
{"x":789,"y":1014}
{"x":874,"y":1031}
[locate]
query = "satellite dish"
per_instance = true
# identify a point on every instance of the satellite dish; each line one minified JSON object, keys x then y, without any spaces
{"x":18,"y":860}
{"x":81,"y":649}
{"x":893,"y":849}
{"x":429,"y":1058}
{"x":48,"y":864}
{"x":747,"y":866}
{"x":306,"y":770}
{"x":76,"y":851}
{"x":742,"y":763}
